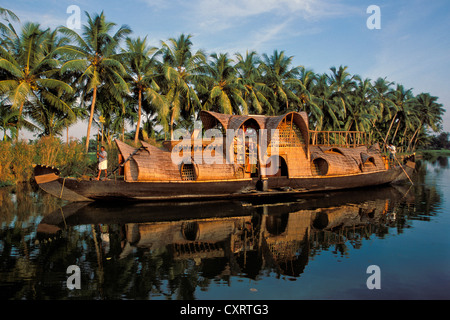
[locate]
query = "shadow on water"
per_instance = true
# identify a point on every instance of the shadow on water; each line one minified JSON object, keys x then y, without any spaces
{"x":167,"y":251}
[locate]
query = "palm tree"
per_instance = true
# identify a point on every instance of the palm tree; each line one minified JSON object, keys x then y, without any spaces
{"x":401,"y":99}
{"x":7,"y":15}
{"x":53,"y":120}
{"x":382,"y":90}
{"x":363,"y":110}
{"x":430,"y":114}
{"x":322,"y":97}
{"x":9,"y":118}
{"x":278,"y":75}
{"x":225,"y":92}
{"x":180,"y":72}
{"x":95,"y":57}
{"x":8,"y":121}
{"x":31,"y":71}
{"x":255,"y":91}
{"x":140,"y":64}
{"x":307,"y":99}
{"x":342,"y":85}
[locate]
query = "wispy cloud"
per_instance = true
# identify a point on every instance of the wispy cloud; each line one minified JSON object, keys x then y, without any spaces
{"x":216,"y":15}
{"x":47,"y":19}
{"x":257,"y":24}
{"x":237,"y":9}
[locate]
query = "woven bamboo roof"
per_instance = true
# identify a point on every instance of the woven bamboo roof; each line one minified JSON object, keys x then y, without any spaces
{"x":210,"y":119}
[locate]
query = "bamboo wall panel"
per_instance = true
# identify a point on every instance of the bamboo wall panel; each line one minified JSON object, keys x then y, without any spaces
{"x":216,"y":171}
{"x":339,"y":161}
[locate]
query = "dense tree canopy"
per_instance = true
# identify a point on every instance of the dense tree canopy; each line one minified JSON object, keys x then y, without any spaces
{"x":49,"y":79}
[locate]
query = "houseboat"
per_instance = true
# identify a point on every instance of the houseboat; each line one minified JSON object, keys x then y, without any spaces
{"x":237,"y":156}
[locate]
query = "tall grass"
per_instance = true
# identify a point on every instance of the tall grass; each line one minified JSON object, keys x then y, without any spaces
{"x":17,"y":159}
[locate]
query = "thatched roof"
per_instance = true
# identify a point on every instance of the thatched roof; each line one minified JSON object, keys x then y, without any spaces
{"x":211,"y":119}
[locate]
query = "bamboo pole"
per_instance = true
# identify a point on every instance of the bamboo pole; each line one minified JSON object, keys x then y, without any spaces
{"x":403,"y":169}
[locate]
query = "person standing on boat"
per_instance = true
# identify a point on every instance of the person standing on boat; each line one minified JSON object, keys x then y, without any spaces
{"x":392,"y":151}
{"x":102,"y":162}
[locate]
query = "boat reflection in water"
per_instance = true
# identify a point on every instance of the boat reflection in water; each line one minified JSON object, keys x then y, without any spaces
{"x":250,"y":237}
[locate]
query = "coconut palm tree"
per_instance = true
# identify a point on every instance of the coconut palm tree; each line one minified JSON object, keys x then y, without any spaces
{"x":255,"y":90}
{"x":8,"y":122}
{"x":95,"y":58}
{"x":382,"y":89}
{"x":9,"y":118}
{"x":278,"y":75}
{"x":51,"y":120}
{"x":363,"y":109}
{"x":401,"y":99}
{"x":140,"y":63}
{"x":429,"y":114}
{"x":180,"y":72}
{"x":308,"y":102}
{"x":342,"y":85}
{"x":9,"y":17}
{"x":31,"y":71}
{"x":322,"y":97}
{"x":224,"y":91}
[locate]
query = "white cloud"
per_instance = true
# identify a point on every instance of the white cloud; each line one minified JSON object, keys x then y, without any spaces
{"x":235,"y":9}
{"x":158,"y":4}
{"x":257,"y":24}
{"x":220,"y":15}
{"x":45,"y":19}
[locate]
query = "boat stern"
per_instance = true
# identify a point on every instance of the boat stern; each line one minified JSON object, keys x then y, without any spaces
{"x":48,"y":179}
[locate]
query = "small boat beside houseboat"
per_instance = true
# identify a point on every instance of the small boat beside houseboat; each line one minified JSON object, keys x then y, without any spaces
{"x":237,"y":156}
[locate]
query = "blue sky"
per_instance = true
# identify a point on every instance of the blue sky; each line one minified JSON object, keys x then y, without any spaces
{"x":412,"y":47}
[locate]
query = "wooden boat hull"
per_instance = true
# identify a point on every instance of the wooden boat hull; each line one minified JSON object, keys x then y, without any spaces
{"x":96,"y":213}
{"x":73,"y":190}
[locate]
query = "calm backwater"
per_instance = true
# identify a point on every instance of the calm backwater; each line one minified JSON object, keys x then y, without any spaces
{"x":314,"y":247}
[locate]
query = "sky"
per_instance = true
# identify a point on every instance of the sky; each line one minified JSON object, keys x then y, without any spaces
{"x":410,"y":46}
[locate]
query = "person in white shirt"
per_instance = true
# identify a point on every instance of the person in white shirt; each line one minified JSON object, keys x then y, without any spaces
{"x":392,"y":151}
{"x":102,"y":162}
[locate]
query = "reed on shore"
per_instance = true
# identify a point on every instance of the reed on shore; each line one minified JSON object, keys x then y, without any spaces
{"x":17,"y":159}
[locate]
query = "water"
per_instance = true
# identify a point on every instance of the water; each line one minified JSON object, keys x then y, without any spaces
{"x":315,"y":247}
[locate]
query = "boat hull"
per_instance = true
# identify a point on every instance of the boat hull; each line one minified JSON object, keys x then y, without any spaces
{"x":74,"y":190}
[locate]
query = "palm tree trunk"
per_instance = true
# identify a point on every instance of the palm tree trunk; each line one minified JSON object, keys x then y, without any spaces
{"x":171,"y":124}
{"x":123,"y":122}
{"x":91,"y":117}
{"x":389,"y":130}
{"x":18,"y":121}
{"x":136,"y":136}
{"x":403,"y":139}
{"x":396,"y":129}
{"x":410,"y":141}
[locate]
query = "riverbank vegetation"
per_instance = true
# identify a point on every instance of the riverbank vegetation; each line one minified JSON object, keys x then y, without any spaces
{"x":51,"y":79}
